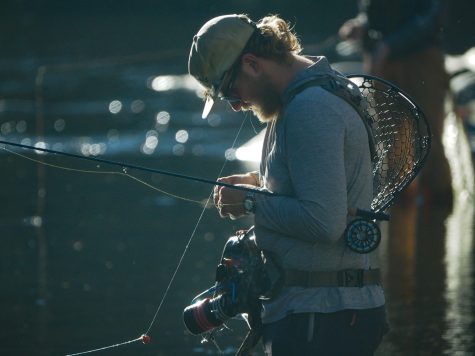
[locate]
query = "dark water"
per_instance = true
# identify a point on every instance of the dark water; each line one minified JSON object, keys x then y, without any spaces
{"x":86,"y":257}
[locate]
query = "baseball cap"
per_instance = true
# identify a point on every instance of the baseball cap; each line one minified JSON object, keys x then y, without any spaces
{"x":216,"y":47}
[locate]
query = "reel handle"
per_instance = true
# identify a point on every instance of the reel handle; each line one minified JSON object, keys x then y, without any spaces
{"x":368,"y":214}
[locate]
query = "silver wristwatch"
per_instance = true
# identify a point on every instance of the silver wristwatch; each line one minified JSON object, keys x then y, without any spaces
{"x":250,"y":203}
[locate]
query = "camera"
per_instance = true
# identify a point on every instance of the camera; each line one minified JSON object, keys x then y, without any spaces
{"x":241,"y":282}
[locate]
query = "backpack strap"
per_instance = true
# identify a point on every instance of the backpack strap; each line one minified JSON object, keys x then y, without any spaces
{"x":341,"y":87}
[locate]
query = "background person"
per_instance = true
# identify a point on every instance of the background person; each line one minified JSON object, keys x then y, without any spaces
{"x":401,"y":41}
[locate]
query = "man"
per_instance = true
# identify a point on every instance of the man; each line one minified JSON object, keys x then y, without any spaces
{"x":401,"y":42}
{"x":316,"y":159}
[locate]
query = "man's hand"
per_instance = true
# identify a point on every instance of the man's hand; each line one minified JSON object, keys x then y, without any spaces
{"x":230,"y":201}
{"x":352,"y":29}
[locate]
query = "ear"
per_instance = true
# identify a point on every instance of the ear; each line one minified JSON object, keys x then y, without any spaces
{"x":252,"y":64}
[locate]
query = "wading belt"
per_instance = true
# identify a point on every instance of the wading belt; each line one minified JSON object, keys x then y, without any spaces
{"x":345,"y":278}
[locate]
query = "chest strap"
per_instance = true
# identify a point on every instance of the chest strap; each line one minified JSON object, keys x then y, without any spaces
{"x":344,"y":278}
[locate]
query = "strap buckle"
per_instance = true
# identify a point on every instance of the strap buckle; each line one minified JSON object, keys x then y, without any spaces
{"x":351,"y":278}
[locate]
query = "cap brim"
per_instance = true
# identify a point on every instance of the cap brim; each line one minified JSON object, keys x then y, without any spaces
{"x":208,"y":106}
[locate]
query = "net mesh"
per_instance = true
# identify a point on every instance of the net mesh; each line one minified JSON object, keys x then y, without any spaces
{"x":401,"y":138}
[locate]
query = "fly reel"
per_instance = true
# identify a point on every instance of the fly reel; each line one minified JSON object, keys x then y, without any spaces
{"x":362,"y":236}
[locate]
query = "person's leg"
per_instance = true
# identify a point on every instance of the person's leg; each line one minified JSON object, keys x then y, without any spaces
{"x":423,"y":77}
{"x":342,"y":333}
{"x":428,"y":82}
{"x":287,"y":336}
{"x":349,"y":332}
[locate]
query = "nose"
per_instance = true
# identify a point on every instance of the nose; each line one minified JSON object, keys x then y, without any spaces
{"x":236,"y":106}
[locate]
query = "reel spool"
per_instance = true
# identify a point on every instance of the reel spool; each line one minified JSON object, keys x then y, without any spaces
{"x":362,"y":236}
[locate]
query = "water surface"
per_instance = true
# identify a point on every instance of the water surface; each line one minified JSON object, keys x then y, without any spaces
{"x":87,"y":256}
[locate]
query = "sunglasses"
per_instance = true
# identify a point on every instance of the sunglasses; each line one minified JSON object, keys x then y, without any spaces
{"x":228,"y":82}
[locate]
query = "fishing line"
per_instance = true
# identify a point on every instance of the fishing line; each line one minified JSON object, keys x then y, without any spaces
{"x":108,"y":347}
{"x":41,"y":73}
{"x":254,"y":128}
{"x":192,"y":235}
{"x":128,"y":175}
{"x":145,"y":338}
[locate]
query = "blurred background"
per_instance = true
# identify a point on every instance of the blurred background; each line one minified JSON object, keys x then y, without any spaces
{"x":86,"y":255}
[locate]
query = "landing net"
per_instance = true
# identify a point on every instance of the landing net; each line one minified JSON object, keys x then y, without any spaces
{"x":401,"y":137}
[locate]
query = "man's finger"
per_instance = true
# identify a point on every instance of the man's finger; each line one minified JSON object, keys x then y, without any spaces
{"x":220,"y":207}
{"x":217,"y":195}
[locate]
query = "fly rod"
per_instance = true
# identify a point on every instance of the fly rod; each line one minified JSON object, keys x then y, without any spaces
{"x":139,"y":168}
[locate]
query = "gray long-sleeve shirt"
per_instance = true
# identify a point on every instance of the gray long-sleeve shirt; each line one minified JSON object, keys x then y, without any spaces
{"x":316,"y":157}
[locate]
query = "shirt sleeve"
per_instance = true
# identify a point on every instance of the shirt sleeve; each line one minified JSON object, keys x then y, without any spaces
{"x":314,"y":149}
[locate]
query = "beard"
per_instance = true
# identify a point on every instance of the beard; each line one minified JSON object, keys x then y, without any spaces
{"x":267,"y":102}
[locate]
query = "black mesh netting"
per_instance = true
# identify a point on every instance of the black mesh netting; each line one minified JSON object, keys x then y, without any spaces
{"x":401,"y":138}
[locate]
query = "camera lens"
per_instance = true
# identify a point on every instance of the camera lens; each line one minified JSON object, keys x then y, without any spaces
{"x":206,"y":314}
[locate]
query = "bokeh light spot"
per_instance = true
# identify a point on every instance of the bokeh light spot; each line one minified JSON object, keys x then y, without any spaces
{"x":181,"y":136}
{"x":115,"y":106}
{"x":163,"y":118}
{"x":59,"y":125}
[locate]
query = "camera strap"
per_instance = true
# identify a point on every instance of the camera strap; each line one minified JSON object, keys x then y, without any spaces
{"x":255,"y":330}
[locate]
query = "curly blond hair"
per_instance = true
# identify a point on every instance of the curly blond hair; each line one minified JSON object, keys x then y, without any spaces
{"x":274,"y":40}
